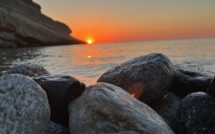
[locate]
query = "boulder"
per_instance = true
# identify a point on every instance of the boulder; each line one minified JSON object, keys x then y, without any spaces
{"x":24,"y":106}
{"x":55,"y":128}
{"x":189,"y":79}
{"x":60,"y":89}
{"x":30,"y":70}
{"x":23,"y":25}
{"x":106,"y":109}
{"x":197,"y":114}
{"x":167,"y":107}
{"x":146,"y":77}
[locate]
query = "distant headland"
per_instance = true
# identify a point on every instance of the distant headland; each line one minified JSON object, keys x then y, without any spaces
{"x":23,"y":25}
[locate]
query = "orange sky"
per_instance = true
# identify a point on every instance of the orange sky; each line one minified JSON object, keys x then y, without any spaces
{"x":134,"y":20}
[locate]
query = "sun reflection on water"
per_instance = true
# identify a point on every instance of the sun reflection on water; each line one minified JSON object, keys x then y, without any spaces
{"x":89,"y":48}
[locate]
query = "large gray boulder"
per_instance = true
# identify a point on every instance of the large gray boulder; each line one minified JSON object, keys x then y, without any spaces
{"x":23,"y":25}
{"x":146,"y":77}
{"x":189,"y":79}
{"x":30,"y":70}
{"x":24,"y":106}
{"x":106,"y":109}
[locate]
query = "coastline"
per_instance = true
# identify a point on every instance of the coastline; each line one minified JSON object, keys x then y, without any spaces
{"x":173,"y":90}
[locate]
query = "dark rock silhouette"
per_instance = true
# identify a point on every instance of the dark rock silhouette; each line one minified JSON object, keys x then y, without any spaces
{"x":211,"y":87}
{"x":167,"y":107}
{"x":23,"y":25}
{"x":197,"y":114}
{"x":60,"y":89}
{"x":189,"y":79}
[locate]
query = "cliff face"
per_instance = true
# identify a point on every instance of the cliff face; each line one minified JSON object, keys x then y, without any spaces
{"x":23,"y":25}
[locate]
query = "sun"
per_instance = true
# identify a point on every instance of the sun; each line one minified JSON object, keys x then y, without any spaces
{"x":89,"y":41}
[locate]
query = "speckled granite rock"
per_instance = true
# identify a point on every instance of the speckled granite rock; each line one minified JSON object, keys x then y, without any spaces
{"x":167,"y":107}
{"x":146,"y":77}
{"x":107,"y":109}
{"x":23,"y":25}
{"x":189,"y":79}
{"x":24,"y":106}
{"x":60,"y":89}
{"x":197,"y":114}
{"x":30,"y":70}
{"x":55,"y":128}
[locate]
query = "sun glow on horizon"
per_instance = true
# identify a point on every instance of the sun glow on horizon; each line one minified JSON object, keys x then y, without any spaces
{"x":89,"y":41}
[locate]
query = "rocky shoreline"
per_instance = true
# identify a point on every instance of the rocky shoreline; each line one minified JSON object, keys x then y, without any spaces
{"x":147,"y":94}
{"x":23,"y":25}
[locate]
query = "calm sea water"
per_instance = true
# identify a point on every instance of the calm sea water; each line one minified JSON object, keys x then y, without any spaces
{"x":88,"y":62}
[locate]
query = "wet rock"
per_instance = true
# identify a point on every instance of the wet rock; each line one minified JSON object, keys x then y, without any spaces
{"x":24,"y":107}
{"x":104,"y":108}
{"x":23,"y":25}
{"x":211,"y":87}
{"x":30,"y":70}
{"x":146,"y":77}
{"x":197,"y":114}
{"x":167,"y":107}
{"x":55,"y":128}
{"x":189,"y":79}
{"x":60,"y":89}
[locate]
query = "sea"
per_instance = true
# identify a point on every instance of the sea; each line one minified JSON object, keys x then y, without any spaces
{"x":88,"y":62}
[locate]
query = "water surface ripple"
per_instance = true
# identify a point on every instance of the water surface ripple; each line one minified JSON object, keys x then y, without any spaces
{"x":88,"y":62}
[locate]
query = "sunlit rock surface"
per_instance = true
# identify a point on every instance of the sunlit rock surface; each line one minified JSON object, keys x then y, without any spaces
{"x":24,"y":107}
{"x":30,"y":70}
{"x":23,"y":25}
{"x":146,"y":77}
{"x":107,"y":109}
{"x":60,"y":89}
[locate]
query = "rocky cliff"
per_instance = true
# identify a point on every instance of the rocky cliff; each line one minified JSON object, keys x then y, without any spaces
{"x":23,"y":25}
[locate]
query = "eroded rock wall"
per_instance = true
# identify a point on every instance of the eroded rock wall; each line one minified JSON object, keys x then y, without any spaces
{"x":22,"y":24}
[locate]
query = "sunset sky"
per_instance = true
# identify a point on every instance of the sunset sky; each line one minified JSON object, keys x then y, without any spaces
{"x":134,"y":20}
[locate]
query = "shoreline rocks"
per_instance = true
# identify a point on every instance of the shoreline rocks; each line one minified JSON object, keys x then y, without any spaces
{"x":30,"y":70}
{"x":24,"y":106}
{"x":167,"y":107}
{"x":60,"y":89}
{"x":23,"y":25}
{"x":197,"y":114}
{"x":146,"y":77}
{"x":104,"y":108}
{"x":189,"y":79}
